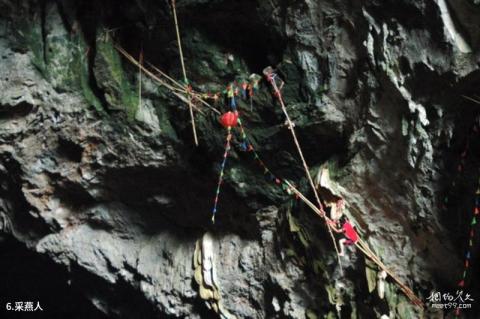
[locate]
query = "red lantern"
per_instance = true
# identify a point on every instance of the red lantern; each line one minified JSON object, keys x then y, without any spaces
{"x":229,"y":119}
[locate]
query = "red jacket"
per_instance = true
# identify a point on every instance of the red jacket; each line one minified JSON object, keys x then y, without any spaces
{"x":350,"y":233}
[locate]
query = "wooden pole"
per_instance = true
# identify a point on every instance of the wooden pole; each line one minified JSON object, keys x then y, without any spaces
{"x":190,"y":107}
{"x":305,"y":166}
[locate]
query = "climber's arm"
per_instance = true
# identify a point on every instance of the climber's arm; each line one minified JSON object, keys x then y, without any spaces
{"x":332,"y":226}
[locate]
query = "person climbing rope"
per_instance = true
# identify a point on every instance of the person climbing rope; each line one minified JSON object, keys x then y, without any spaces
{"x":349,"y":232}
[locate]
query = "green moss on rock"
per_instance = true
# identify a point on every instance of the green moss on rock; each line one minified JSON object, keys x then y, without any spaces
{"x":113,"y":79}
{"x":29,"y":35}
{"x":60,"y":57}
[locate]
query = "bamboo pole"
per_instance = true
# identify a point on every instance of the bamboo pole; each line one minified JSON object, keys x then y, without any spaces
{"x":180,"y":89}
{"x":406,"y":290}
{"x":190,"y":107}
{"x":471,"y":99}
{"x":197,"y":96}
{"x":305,"y":166}
{"x":154,"y":77}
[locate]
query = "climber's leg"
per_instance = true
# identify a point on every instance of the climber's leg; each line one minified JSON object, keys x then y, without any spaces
{"x":344,"y":242}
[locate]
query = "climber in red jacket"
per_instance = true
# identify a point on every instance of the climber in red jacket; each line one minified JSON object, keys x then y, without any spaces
{"x":349,"y":232}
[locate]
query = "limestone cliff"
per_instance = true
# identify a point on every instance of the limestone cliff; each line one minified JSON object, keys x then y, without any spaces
{"x":109,"y":201}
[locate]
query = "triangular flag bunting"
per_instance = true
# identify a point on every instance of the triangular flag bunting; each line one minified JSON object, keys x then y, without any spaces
{"x":474,"y":220}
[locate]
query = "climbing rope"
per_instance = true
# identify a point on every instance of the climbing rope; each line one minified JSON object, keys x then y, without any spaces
{"x":228,"y":120}
{"x":476,"y":210}
{"x":222,"y":171}
{"x":278,"y":94}
{"x":185,"y":79}
{"x":471,"y":236}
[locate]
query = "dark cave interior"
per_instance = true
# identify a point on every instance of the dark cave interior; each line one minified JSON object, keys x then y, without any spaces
{"x":30,"y":277}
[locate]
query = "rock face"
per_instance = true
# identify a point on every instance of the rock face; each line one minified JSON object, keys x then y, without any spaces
{"x":110,"y":189}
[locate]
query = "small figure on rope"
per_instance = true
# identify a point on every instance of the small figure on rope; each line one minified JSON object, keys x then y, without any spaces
{"x":228,"y":120}
{"x":349,"y":232}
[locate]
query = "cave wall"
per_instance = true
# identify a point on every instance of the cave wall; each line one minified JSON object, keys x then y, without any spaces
{"x":116,"y":194}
